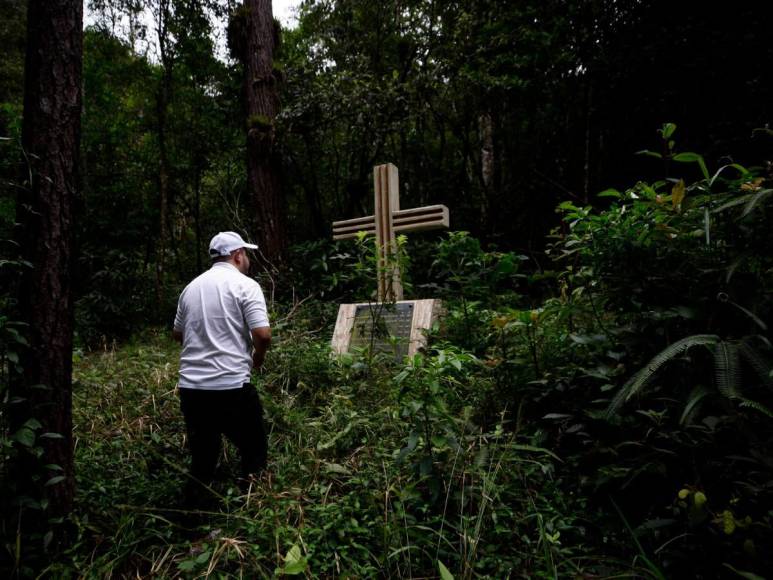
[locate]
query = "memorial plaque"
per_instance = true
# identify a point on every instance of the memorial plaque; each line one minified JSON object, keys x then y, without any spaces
{"x":397,"y":328}
{"x":383,"y":327}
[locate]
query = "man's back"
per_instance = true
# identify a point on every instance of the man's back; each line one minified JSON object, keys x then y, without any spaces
{"x":215,"y":314}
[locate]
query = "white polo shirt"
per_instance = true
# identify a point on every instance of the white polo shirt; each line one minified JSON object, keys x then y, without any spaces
{"x":215,"y":314}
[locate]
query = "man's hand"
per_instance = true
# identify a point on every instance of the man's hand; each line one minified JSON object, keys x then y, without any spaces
{"x":177,"y":335}
{"x":261,"y":340}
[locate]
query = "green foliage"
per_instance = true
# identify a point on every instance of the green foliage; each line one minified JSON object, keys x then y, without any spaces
{"x":119,"y":284}
{"x":466,"y":276}
{"x":636,"y":383}
{"x":427,"y":385}
{"x":22,"y":440}
{"x":669,"y":266}
{"x":335,"y":271}
{"x":347,"y":493}
{"x":463,"y":270}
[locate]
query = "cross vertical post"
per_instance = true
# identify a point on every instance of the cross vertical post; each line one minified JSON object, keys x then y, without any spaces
{"x":387,"y":202}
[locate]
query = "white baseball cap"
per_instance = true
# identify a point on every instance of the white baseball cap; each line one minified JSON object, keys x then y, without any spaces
{"x":226,"y":242}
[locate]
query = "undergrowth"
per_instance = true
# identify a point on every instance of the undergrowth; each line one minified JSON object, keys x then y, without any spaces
{"x":353,"y":488}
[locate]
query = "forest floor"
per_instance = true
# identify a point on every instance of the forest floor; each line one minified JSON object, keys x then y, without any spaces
{"x":347,"y":492}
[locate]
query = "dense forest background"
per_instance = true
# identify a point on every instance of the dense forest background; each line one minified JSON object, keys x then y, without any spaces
{"x":498,"y":110}
{"x":597,"y":400}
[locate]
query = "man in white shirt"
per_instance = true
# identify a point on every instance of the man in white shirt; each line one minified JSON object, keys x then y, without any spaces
{"x":223,"y":326}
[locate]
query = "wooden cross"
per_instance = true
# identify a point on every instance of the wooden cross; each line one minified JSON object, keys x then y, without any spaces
{"x":388,"y":220}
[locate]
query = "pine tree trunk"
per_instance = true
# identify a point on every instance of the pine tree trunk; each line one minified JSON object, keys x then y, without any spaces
{"x":50,"y":137}
{"x":162,"y":105}
{"x":262,"y":100}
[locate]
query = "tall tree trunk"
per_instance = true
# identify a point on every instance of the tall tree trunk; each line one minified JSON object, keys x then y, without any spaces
{"x":487,"y":168}
{"x":262,"y":99}
{"x":50,"y":137}
{"x":162,"y":104}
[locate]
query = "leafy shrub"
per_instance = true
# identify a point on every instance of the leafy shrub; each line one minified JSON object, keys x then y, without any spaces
{"x":667,"y":266}
{"x":332,"y":270}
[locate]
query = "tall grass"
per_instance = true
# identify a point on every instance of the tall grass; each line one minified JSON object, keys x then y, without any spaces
{"x":338,"y":498}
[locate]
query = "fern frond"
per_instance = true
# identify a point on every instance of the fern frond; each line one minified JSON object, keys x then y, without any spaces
{"x":727,"y":369}
{"x":642,"y":378}
{"x":758,"y":361}
{"x":749,"y":404}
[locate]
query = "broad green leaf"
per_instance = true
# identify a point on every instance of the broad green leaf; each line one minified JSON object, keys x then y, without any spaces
{"x":444,"y":572}
{"x":295,"y":563}
{"x":611,"y":192}
{"x":25,"y":436}
{"x":689,"y":157}
{"x":33,"y":424}
{"x":686,"y":157}
{"x":17,"y":337}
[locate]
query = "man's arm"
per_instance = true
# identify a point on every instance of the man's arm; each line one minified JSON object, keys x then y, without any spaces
{"x":261,"y":340}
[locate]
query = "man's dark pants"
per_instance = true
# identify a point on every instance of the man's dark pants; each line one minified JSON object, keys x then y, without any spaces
{"x":235,"y":413}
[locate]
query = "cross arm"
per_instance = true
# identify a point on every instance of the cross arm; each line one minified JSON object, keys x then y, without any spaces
{"x":419,"y":219}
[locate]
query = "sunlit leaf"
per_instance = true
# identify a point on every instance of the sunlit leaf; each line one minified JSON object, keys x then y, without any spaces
{"x":444,"y":572}
{"x":677,"y":194}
